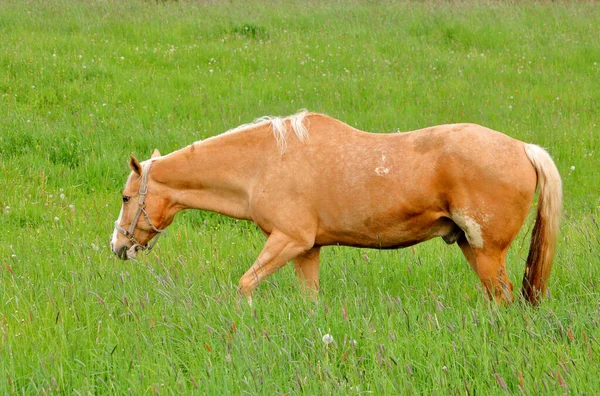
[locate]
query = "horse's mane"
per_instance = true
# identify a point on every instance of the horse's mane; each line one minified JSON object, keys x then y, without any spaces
{"x":279,"y":127}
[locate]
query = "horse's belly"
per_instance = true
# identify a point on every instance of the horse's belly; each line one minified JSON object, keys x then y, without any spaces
{"x":385,"y":235}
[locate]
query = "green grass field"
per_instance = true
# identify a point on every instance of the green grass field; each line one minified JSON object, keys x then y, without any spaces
{"x":84,"y":84}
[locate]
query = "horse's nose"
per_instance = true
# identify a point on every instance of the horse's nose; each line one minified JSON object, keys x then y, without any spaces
{"x":123,"y":253}
{"x":120,"y":253}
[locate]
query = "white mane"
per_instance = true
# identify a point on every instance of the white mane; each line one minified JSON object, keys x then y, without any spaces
{"x":278,"y":125}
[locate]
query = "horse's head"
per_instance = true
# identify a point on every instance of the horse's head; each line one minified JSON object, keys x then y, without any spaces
{"x":144,"y":211}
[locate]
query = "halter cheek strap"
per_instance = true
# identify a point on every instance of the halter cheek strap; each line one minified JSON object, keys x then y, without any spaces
{"x":141,"y":210}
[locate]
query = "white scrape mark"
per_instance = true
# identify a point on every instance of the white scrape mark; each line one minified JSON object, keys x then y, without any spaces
{"x":471,"y":228}
{"x":382,"y":171}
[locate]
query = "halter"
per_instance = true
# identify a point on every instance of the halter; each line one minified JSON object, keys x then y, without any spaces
{"x":141,"y":209}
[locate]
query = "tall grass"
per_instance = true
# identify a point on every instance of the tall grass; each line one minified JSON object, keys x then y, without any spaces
{"x":84,"y":84}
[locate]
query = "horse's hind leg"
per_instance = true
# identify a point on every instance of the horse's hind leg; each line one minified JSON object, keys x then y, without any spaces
{"x":491,"y":269}
{"x":485,"y":242}
{"x":307,"y":269}
{"x":490,"y":266}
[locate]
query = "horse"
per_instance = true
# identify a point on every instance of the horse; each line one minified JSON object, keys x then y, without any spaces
{"x":309,"y":180}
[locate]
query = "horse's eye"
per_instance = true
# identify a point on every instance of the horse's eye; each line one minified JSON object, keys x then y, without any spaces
{"x":125,"y":199}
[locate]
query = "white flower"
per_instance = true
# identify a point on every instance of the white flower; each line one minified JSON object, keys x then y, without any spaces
{"x":572,"y":167}
{"x":62,"y":196}
{"x":72,"y":207}
{"x":328,"y":339}
{"x":56,"y":219}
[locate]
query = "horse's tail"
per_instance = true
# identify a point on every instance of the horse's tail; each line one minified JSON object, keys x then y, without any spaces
{"x":545,"y":231}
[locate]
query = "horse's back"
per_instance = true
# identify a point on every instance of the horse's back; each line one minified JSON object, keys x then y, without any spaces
{"x":396,"y":189}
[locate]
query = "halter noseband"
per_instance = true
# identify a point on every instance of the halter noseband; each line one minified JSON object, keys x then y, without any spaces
{"x":141,"y":209}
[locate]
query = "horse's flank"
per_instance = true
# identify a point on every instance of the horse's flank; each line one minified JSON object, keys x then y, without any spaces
{"x":462,"y":182}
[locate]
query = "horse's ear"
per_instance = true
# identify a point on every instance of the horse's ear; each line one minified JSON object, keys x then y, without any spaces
{"x":135,"y":166}
{"x":155,"y":154}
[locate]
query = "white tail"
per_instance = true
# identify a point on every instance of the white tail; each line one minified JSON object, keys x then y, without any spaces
{"x":545,"y":231}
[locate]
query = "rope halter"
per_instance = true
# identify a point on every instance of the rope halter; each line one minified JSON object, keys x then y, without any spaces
{"x":141,"y":210}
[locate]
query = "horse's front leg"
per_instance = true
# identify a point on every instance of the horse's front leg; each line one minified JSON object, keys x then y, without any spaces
{"x":278,"y":250}
{"x":307,"y":269}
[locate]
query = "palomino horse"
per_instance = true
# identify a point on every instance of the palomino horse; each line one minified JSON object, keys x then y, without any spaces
{"x":309,"y":180}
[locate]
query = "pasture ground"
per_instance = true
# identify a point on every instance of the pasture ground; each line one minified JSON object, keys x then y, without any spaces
{"x":84,"y":84}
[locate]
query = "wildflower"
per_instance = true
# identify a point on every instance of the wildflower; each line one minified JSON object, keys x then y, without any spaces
{"x":62,"y":196}
{"x":72,"y":207}
{"x":328,"y":339}
{"x":7,"y":209}
{"x":572,"y":168}
{"x":56,"y":219}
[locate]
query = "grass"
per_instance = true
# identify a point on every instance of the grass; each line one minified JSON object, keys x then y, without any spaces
{"x":84,"y":84}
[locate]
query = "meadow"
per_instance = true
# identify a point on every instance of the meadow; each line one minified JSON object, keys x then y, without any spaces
{"x":83,"y":84}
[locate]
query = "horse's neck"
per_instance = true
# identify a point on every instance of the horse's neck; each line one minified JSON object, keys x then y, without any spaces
{"x":210,"y":175}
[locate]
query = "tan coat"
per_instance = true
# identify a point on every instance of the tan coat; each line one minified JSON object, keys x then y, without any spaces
{"x":328,"y":183}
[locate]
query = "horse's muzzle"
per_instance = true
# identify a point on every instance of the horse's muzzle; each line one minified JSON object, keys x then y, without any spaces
{"x":122,"y":254}
{"x":126,"y":252}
